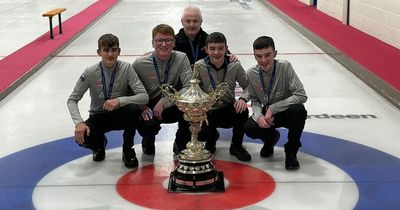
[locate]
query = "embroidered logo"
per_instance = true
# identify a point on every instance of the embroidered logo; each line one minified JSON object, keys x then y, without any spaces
{"x":83,"y":77}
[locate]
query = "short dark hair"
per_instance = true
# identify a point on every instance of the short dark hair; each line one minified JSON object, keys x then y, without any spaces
{"x":216,"y":37}
{"x":263,"y":42}
{"x":108,"y":40}
{"x":163,"y":29}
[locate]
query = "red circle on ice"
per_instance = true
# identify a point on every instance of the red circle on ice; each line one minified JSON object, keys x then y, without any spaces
{"x":247,"y":185}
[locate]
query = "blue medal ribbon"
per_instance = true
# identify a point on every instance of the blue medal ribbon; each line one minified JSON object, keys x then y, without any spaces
{"x":158,"y":71}
{"x":107,"y":95}
{"x":195,"y":50}
{"x":271,"y":82}
{"x":213,"y":84}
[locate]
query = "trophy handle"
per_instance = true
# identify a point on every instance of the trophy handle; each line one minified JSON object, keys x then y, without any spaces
{"x":219,"y":91}
{"x":196,"y":71}
{"x":170,"y":92}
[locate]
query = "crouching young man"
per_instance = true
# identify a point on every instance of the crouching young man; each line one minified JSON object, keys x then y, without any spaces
{"x":112,"y":106}
{"x":277,"y":97}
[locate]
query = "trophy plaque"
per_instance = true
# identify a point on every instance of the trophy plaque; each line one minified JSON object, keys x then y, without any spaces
{"x":195,"y":171}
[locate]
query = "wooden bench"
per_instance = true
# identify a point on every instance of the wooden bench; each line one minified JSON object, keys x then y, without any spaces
{"x":52,"y":13}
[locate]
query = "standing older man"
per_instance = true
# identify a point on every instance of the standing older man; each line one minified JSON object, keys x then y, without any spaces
{"x":162,"y":66}
{"x":191,"y":38}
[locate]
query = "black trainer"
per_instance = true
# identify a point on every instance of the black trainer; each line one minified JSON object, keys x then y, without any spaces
{"x":148,"y":147}
{"x":268,"y":149}
{"x":217,"y":135}
{"x":291,"y":162}
{"x":239,"y":152}
{"x":129,"y":158}
{"x":100,"y":154}
{"x":210,"y":145}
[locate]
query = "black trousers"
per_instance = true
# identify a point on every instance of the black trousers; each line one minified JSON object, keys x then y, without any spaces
{"x":125,"y":118}
{"x":150,"y":128}
{"x":293,"y":119}
{"x":225,"y":117}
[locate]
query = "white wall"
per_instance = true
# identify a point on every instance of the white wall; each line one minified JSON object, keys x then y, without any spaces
{"x":333,"y":8}
{"x":308,"y":2}
{"x":379,"y":18}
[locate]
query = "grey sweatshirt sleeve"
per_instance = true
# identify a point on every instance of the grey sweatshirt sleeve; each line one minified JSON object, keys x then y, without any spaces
{"x":241,"y":78}
{"x":251,"y":93}
{"x":256,"y":104}
{"x":140,"y":95}
{"x":186,"y":74}
{"x":298,"y":94}
{"x":80,"y":89}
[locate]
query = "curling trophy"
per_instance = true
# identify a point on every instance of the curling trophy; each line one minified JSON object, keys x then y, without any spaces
{"x":195,"y":171}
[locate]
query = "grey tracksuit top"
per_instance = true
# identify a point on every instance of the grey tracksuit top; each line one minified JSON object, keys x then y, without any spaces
{"x":125,"y":80}
{"x":179,"y":74}
{"x":287,"y":88}
{"x":234,"y":73}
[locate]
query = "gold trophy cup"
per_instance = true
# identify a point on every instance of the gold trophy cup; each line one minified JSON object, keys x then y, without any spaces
{"x":195,"y":171}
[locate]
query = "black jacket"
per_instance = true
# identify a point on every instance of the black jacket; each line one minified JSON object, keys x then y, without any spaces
{"x":182,"y":44}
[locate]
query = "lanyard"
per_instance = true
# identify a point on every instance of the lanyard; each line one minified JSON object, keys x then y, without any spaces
{"x":195,"y":51}
{"x":271,"y":82}
{"x":158,"y":71}
{"x":207,"y":59}
{"x":103,"y":80}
